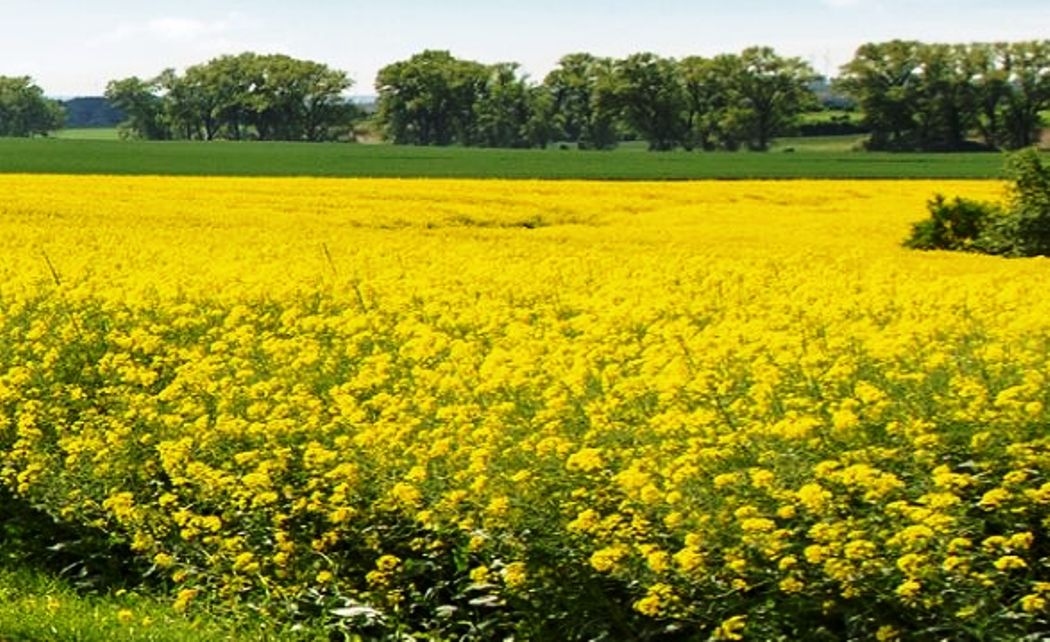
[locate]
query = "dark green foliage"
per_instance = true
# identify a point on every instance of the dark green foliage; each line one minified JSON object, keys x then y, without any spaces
{"x":649,"y":94}
{"x":772,"y":92}
{"x":509,"y":113}
{"x":726,"y":102}
{"x":85,"y":556}
{"x":1029,"y":204}
{"x":248,"y":96}
{"x":708,"y":100}
{"x":1022,"y":229}
{"x":144,"y":109}
{"x":934,"y":97}
{"x":953,"y":225}
{"x":581,"y":89}
{"x":429,"y":99}
{"x":434,"y":98}
{"x":24,"y":111}
{"x":91,"y":111}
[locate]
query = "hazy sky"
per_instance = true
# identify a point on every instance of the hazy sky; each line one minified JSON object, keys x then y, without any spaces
{"x":73,"y":48}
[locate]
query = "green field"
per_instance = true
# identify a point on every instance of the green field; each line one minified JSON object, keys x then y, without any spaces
{"x":834,"y":144}
{"x":811,"y":158}
{"x":829,"y":115}
{"x":88,"y":133}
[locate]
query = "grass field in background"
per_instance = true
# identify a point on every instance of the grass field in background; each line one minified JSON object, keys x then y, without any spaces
{"x":812,"y":158}
{"x":830,"y":115}
{"x":836,"y":144}
{"x":88,"y":133}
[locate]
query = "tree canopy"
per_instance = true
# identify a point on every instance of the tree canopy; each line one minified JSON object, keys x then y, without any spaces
{"x":581,"y":90}
{"x":434,"y":98}
{"x":935,"y":96}
{"x":772,"y":91}
{"x":24,"y":111}
{"x":910,"y":96}
{"x":264,"y":97}
{"x":650,"y":97}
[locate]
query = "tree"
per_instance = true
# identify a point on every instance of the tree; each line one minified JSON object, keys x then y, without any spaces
{"x":990,"y":85}
{"x":144,"y":109}
{"x":188,"y":104}
{"x":581,"y":89}
{"x":430,"y":98}
{"x":883,"y":79}
{"x":503,"y":110}
{"x":434,"y":98}
{"x":713,"y":118}
{"x":24,"y":111}
{"x":772,"y":91}
{"x":651,"y":96}
{"x":945,"y":108}
{"x":923,"y":96}
{"x":540,"y":128}
{"x":298,"y":100}
{"x":232,"y":80}
{"x":273,"y":97}
{"x":1027,"y":69}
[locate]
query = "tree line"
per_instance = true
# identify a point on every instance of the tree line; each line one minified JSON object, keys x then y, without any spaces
{"x":24,"y":110}
{"x":911,"y":95}
{"x":917,"y":96}
{"x":248,"y":96}
{"x":725,"y":102}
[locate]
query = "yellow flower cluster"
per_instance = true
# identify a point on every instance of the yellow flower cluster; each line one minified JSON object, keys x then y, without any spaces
{"x":718,"y":396}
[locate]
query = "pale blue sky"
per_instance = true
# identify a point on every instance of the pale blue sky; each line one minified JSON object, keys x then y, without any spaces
{"x":73,"y":48}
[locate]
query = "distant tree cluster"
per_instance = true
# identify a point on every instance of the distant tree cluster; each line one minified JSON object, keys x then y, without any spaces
{"x":910,"y":95}
{"x":726,"y":102}
{"x":248,"y":96}
{"x":436,"y":99}
{"x":91,"y":111}
{"x":917,"y":96}
{"x":24,"y":111}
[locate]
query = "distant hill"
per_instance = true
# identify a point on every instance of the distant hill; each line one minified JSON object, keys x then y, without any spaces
{"x":91,"y":111}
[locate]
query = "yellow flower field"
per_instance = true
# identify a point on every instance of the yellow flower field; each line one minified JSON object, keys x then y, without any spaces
{"x":561,"y":410}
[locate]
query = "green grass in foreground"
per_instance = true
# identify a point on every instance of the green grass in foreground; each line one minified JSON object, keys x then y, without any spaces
{"x":813,"y":159}
{"x":36,"y":607}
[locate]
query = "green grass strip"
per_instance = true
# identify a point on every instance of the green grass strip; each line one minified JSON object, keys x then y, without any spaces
{"x":810,"y":160}
{"x":39,"y":607}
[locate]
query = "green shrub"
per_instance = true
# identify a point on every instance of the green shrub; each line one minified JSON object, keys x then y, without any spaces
{"x":953,"y":225}
{"x":1030,"y":203}
{"x":1021,"y":229}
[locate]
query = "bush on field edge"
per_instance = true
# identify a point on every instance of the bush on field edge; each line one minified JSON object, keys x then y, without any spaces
{"x":1020,"y":228}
